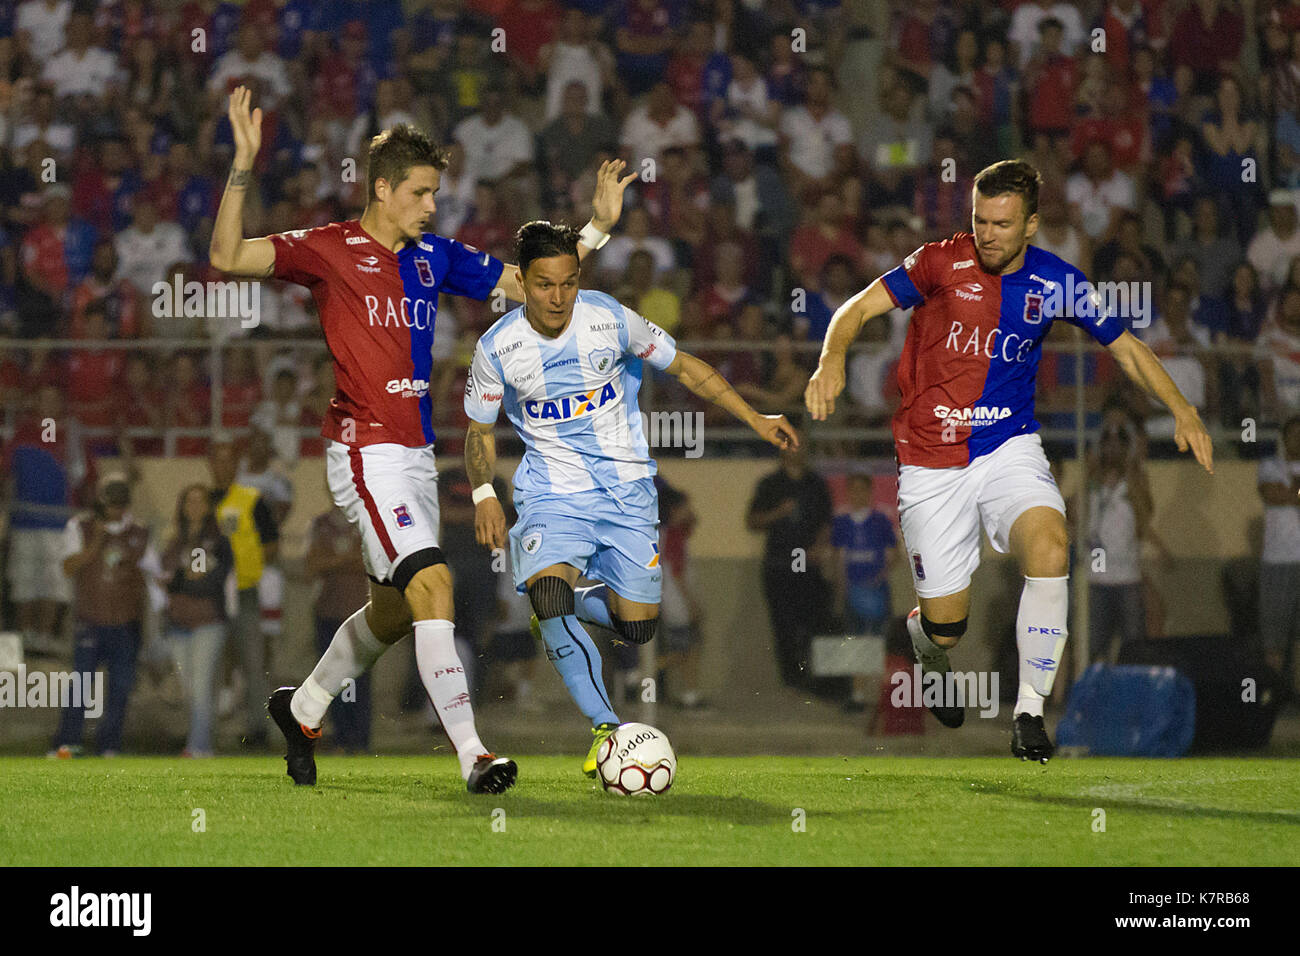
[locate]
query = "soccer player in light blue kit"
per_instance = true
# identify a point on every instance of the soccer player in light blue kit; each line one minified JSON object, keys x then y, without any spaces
{"x":567,"y":366}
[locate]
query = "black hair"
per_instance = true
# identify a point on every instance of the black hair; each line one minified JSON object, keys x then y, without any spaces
{"x":540,"y":239}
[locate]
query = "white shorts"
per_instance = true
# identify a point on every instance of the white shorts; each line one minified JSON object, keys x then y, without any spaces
{"x":36,"y":566}
{"x":940,"y":510}
{"x":390,"y":492}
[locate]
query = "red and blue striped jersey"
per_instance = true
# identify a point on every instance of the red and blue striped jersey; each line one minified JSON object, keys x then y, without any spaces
{"x":970,"y":360}
{"x":377,"y":310}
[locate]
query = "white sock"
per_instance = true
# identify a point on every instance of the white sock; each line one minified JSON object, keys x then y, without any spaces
{"x":1044,"y":608}
{"x":931,"y":656}
{"x":351,"y":653}
{"x":444,"y":681}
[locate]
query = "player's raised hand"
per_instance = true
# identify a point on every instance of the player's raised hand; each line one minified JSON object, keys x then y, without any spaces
{"x":1189,"y":432}
{"x":777,"y":431}
{"x":826,"y":383}
{"x":607,"y":203}
{"x":247,"y":126}
{"x":490,"y":523}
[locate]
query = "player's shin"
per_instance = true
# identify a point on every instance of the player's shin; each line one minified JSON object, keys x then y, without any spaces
{"x":443,"y":676}
{"x":351,"y":653}
{"x":1040,"y":639}
{"x":589,"y":606}
{"x":578,"y":663}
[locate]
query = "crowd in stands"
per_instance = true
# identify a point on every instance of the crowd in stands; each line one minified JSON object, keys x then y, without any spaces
{"x":790,"y":153}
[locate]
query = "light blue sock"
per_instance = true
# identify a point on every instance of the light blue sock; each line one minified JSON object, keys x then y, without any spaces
{"x":589,"y":604}
{"x":576,"y":659}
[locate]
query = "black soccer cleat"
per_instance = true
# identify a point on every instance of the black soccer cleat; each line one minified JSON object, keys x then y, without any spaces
{"x":950,"y":716}
{"x":492,"y":774}
{"x":300,"y":740}
{"x":1029,"y":739}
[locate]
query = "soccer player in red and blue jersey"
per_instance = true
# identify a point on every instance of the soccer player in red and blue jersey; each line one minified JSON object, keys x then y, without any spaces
{"x":376,"y":282}
{"x":965,"y":435}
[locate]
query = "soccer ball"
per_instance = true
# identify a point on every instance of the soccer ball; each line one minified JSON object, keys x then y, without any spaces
{"x":636,"y":760}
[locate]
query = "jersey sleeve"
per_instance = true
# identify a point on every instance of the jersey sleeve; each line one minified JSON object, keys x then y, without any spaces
{"x":470,"y":272}
{"x":299,"y":257}
{"x":1093,"y":314}
{"x":910,"y":283}
{"x":647,"y":341}
{"x":483,"y":388}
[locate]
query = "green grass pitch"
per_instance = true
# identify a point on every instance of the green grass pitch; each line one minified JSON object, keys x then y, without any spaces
{"x":721,"y":810}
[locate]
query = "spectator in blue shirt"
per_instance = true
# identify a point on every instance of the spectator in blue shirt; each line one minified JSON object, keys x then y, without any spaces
{"x":868,"y":547}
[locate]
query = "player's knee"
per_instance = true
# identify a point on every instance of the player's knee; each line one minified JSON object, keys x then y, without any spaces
{"x":637,"y":632}
{"x":389,"y":624}
{"x":1049,"y":555}
{"x":945,"y":634}
{"x":551,"y":597}
{"x":417,"y":586}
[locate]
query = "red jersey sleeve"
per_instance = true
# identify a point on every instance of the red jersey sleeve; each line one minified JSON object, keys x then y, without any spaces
{"x":300,"y":256}
{"x":917,"y":278}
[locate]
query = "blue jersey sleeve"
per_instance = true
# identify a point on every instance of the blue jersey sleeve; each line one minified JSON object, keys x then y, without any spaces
{"x":909,"y":284}
{"x":470,"y":272}
{"x":1097,"y":314}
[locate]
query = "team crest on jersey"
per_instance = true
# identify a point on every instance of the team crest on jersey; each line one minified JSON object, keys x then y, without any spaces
{"x":565,"y":409}
{"x":425,"y":271}
{"x":918,"y":567}
{"x":532,"y":542}
{"x":403,"y":516}
{"x":1033,"y":308}
{"x":601,"y":360}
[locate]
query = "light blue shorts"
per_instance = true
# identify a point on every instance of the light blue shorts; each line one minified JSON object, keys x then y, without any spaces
{"x":610,"y":535}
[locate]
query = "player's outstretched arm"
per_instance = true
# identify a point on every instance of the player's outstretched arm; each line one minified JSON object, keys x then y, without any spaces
{"x":703,"y":379}
{"x":229,"y":251}
{"x":481,"y":466}
{"x":606,"y":208}
{"x":828,"y":381}
{"x":1141,"y":365}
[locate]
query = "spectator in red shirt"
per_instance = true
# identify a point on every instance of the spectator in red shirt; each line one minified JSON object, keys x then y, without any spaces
{"x":188,"y":404}
{"x":241,"y":388}
{"x":824,"y":236}
{"x":487,"y":228}
{"x":529,"y":25}
{"x":95,"y":374}
{"x":642,"y":42}
{"x":119,"y":298}
{"x":1121,"y":128}
{"x":1051,"y":78}
{"x":1125,"y":26}
{"x":1207,"y":37}
{"x":141,"y":403}
{"x":719,"y":227}
{"x":686,"y":69}
{"x":720,"y":301}
{"x":57,"y":251}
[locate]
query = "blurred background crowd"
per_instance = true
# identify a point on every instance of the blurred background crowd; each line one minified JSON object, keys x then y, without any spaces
{"x":790,"y":152}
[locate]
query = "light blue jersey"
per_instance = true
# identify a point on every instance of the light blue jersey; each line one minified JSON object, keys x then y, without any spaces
{"x":572,"y":399}
{"x":585,"y":488}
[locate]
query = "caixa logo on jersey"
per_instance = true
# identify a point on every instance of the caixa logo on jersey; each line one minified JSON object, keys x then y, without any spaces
{"x":408,"y":387}
{"x":565,"y":409}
